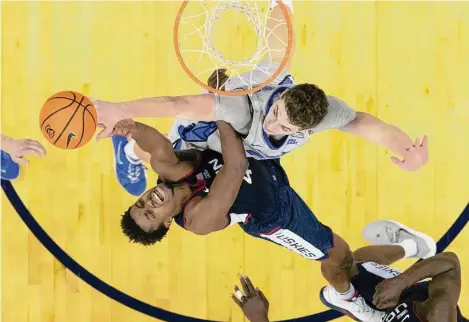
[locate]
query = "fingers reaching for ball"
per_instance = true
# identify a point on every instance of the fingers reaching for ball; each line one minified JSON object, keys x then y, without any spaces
{"x":20,"y":148}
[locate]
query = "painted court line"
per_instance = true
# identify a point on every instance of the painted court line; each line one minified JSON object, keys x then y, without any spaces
{"x":154,"y":311}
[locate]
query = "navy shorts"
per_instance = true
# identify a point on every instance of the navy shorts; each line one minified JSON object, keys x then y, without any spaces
{"x":293,"y":225}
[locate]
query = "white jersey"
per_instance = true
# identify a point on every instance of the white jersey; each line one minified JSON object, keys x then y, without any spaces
{"x":247,"y":113}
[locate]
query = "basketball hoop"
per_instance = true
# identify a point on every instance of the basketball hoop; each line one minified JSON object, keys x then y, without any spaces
{"x":194,"y":27}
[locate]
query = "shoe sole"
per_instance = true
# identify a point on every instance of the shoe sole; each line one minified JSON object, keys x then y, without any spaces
{"x":117,"y":176}
{"x":428,"y":240}
{"x":336,"y":308}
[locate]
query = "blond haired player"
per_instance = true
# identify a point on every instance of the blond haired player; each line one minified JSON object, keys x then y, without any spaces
{"x":274,"y":121}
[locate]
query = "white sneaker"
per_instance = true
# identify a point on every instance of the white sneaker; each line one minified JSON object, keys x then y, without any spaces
{"x":356,"y":308}
{"x":387,"y":232}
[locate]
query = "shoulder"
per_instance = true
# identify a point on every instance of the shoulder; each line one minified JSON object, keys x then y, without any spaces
{"x":235,"y":110}
{"x":336,"y":105}
{"x":193,"y":216}
{"x":339,"y":114}
{"x":190,"y":211}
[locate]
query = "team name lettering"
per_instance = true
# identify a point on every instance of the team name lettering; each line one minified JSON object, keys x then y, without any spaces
{"x":217,"y":166}
{"x":294,"y":244}
{"x":292,"y":241}
{"x":386,"y":269}
{"x":399,"y":314}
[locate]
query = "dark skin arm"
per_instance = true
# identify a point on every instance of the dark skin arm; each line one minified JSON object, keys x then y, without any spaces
{"x":444,"y":288}
{"x":206,"y":215}
{"x":163,"y":158}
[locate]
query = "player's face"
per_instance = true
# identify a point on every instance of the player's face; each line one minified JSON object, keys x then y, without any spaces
{"x":155,"y":207}
{"x":276,"y":121}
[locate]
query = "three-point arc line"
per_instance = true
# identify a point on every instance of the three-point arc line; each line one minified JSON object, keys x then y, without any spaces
{"x":154,"y":311}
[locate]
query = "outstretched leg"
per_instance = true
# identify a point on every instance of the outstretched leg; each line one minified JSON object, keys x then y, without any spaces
{"x":381,"y":254}
{"x":393,"y":241}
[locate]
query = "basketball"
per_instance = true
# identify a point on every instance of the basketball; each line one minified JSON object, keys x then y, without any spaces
{"x":68,"y":120}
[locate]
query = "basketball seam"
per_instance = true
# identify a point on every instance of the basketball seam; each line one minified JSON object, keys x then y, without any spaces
{"x":53,"y":113}
{"x":70,"y":120}
{"x":68,"y":99}
{"x":82,"y":128}
{"x":74,"y":97}
{"x":91,"y":114}
{"x":79,"y":103}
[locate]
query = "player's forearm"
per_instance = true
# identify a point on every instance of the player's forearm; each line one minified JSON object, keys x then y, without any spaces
{"x":226,"y":186}
{"x":232,"y":147}
{"x":216,"y":205}
{"x":373,"y":129}
{"x":5,"y":139}
{"x":185,"y":107}
{"x":223,"y":193}
{"x":430,"y":268}
{"x":227,"y":183}
{"x":151,"y":140}
{"x":157,"y":107}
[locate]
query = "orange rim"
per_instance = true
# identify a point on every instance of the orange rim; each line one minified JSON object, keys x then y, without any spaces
{"x":232,"y":93}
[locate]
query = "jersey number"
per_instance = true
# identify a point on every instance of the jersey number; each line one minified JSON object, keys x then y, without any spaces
{"x":217,"y":166}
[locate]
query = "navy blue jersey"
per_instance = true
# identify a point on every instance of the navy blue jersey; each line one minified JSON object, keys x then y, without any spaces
{"x":256,"y":197}
{"x":371,"y":274}
{"x":265,"y":207}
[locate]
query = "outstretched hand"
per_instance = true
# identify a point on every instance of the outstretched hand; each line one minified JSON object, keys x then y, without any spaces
{"x":253,"y":302}
{"x":414,"y":157}
{"x":108,"y":115}
{"x":18,"y":149}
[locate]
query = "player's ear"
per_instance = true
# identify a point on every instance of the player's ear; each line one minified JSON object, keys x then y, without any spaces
{"x":168,"y":222}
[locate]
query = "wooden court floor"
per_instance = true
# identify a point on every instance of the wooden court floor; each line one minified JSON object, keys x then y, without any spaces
{"x":405,"y":62}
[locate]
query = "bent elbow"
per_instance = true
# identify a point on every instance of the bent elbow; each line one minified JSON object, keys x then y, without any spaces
{"x":452,"y":258}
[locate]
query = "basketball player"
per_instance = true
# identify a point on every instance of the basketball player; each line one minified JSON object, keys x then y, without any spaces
{"x":395,"y":296}
{"x":204,"y":192}
{"x":14,"y":152}
{"x":273,"y":121}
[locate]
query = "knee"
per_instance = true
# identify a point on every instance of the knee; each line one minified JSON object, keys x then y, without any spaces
{"x":340,"y":254}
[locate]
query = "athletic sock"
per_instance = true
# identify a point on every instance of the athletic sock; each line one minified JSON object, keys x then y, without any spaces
{"x":130,"y":153}
{"x":350,"y":294}
{"x":409,"y":246}
{"x":288,"y":3}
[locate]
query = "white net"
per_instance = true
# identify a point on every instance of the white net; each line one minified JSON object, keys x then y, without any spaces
{"x":214,"y":35}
